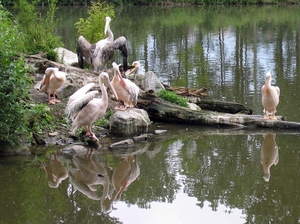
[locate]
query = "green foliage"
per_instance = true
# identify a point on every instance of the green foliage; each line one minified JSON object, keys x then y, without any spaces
{"x":93,"y":27}
{"x":39,"y":118}
{"x":38,"y":30}
{"x":14,"y":83}
{"x":173,"y":98}
{"x":104,"y":122}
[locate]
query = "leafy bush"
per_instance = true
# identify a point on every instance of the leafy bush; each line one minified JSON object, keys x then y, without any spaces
{"x":89,"y":28}
{"x":14,"y":84}
{"x":40,"y":118}
{"x":39,"y":30}
{"x":173,"y":98}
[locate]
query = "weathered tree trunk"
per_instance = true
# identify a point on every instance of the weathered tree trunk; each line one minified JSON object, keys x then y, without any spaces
{"x":160,"y":110}
{"x":199,"y":97}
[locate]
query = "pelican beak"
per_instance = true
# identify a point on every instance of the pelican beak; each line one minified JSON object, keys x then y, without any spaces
{"x":121,"y":79}
{"x":106,"y":80}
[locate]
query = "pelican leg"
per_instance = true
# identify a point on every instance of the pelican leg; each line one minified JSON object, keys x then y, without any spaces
{"x":88,"y":132}
{"x":119,"y":107}
{"x":91,"y":134}
{"x":266,"y":117}
{"x":52,"y":102}
{"x":54,"y":98}
{"x":273,"y":117}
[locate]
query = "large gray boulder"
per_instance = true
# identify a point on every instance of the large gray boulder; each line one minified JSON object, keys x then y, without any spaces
{"x":129,"y":122}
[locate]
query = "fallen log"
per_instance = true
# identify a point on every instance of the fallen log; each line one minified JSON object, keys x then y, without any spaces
{"x":160,"y":110}
{"x":199,"y":97}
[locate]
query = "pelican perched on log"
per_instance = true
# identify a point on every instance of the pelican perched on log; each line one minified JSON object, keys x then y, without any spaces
{"x":270,"y":97}
{"x":83,"y":109}
{"x":126,"y":90}
{"x":52,"y":80}
{"x":133,"y":69}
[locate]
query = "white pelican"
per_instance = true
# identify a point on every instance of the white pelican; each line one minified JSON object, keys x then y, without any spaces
{"x":87,"y":51}
{"x":270,"y":97}
{"x":101,"y":43}
{"x":133,"y":69}
{"x":83,"y":109}
{"x":99,"y":57}
{"x":269,"y":154}
{"x":126,"y":90}
{"x":52,"y":80}
{"x":100,"y":53}
{"x":107,"y":29}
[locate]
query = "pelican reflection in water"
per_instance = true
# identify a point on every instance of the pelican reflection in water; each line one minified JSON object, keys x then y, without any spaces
{"x":123,"y":175}
{"x":269,"y":154}
{"x":56,"y":171}
{"x":89,"y":174}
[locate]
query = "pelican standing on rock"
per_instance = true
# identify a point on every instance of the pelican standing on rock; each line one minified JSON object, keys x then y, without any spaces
{"x":83,"y":109}
{"x":52,"y":80}
{"x":126,"y":90}
{"x":270,"y":97}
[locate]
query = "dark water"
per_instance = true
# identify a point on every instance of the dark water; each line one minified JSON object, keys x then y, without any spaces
{"x":191,"y":174}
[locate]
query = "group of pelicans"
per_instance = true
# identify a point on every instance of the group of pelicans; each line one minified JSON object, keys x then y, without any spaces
{"x":83,"y":108}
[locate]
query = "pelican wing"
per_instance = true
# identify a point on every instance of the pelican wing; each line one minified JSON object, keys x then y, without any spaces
{"x":84,"y":50}
{"x":78,"y":99}
{"x":132,"y":89}
{"x":80,"y":92}
{"x":118,"y":44}
{"x":76,"y":106}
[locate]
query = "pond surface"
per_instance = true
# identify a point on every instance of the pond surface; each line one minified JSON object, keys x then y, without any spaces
{"x":190,"y":173}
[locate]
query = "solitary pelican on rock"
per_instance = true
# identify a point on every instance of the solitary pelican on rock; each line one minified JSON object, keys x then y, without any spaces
{"x":83,"y":109}
{"x":270,"y":97}
{"x":127,"y":91}
{"x":52,"y":80}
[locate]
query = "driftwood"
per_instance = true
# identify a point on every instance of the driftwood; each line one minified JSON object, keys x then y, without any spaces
{"x":199,"y":97}
{"x":160,"y":110}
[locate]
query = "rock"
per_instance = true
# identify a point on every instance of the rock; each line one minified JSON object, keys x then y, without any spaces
{"x":38,"y":139}
{"x":53,"y":134}
{"x":8,"y":150}
{"x":66,"y":57}
{"x":149,"y":81}
{"x":194,"y":106}
{"x":123,"y":144}
{"x":143,"y":137}
{"x":159,"y":132}
{"x":130,"y":122}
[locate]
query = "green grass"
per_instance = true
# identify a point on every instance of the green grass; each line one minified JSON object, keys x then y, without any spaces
{"x":173,"y":98}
